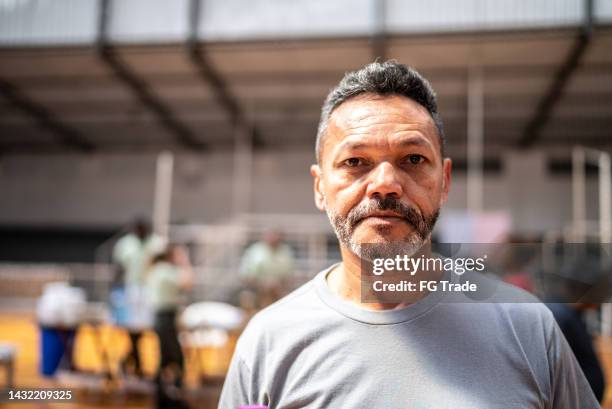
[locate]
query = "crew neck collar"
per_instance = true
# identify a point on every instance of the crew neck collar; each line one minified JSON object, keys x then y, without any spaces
{"x":375,"y":317}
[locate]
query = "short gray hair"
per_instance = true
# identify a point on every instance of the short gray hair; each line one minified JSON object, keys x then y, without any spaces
{"x":387,"y":78}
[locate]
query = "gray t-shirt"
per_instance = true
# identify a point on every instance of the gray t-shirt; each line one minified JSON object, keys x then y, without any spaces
{"x":313,"y":350}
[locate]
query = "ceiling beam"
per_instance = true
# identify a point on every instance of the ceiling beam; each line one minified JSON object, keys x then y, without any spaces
{"x":207,"y":72}
{"x":139,"y":87}
{"x":323,"y":76}
{"x":66,"y":135}
{"x":553,"y":95}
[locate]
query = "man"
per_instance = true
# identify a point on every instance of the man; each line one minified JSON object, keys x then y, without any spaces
{"x":381,"y":176}
{"x":169,"y":277}
{"x":133,"y":254}
{"x":569,"y":317}
{"x":266,"y":267}
{"x":134,"y":251}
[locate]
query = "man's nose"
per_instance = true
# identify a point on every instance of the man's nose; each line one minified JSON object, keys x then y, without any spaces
{"x":384,"y":181}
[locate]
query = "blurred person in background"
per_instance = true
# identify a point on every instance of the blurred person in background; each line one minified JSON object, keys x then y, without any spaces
{"x":133,"y":254}
{"x":266,"y":268}
{"x":576,"y":286}
{"x":169,"y":277}
{"x":570,"y":318}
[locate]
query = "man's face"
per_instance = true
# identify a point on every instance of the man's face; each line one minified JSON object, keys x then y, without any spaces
{"x":381,"y":177}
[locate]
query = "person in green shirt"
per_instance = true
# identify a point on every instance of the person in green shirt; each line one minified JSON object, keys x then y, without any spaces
{"x":266,"y":266}
{"x":168,"y":278}
{"x":132,"y":254}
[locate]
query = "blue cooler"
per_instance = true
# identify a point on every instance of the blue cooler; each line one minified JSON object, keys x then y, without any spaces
{"x":51,"y":350}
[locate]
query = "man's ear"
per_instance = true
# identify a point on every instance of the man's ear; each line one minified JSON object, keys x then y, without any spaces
{"x":447,"y":165}
{"x":319,"y":196}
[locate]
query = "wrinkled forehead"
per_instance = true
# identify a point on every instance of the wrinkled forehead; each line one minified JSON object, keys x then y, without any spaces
{"x":371,"y":115}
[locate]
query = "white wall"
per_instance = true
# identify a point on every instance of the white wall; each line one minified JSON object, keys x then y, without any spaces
{"x":109,"y":190}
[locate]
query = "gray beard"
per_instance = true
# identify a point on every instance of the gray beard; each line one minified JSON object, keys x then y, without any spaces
{"x":344,"y":228}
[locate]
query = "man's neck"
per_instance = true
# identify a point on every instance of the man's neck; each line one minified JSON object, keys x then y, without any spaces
{"x":344,"y":280}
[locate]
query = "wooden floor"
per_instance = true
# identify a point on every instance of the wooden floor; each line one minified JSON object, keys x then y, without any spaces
{"x":20,"y":329}
{"x":92,"y":389}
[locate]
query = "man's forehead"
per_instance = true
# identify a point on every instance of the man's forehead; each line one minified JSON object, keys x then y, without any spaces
{"x":364,"y":113}
{"x":363,"y":106}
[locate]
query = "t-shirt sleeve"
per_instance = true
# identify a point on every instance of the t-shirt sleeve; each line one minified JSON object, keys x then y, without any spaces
{"x":235,"y":391}
{"x":570,"y":389}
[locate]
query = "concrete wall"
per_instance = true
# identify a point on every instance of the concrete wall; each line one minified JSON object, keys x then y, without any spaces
{"x":108,"y":190}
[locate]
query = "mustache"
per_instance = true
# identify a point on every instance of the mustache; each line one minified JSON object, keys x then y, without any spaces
{"x":389,"y":203}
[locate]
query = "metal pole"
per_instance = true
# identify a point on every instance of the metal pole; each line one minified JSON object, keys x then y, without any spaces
{"x":163,"y":194}
{"x":378,"y":35}
{"x":605,"y":233}
{"x":605,"y":215}
{"x":475,"y":150}
{"x":243,"y":166}
{"x":578,"y":194}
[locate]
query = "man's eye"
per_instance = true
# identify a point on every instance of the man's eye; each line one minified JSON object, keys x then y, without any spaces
{"x":416,"y":159}
{"x":353,"y":162}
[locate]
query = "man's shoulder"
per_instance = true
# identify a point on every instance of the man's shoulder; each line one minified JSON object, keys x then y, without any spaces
{"x":124,"y":245}
{"x":126,"y":239}
{"x":285,"y":316}
{"x":504,"y":302}
{"x":523,"y":311}
{"x":494,"y":290}
{"x":256,"y":246}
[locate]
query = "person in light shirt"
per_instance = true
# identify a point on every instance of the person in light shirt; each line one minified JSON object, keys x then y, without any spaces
{"x":266,"y":267}
{"x":133,"y":254}
{"x":168,"y":279}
